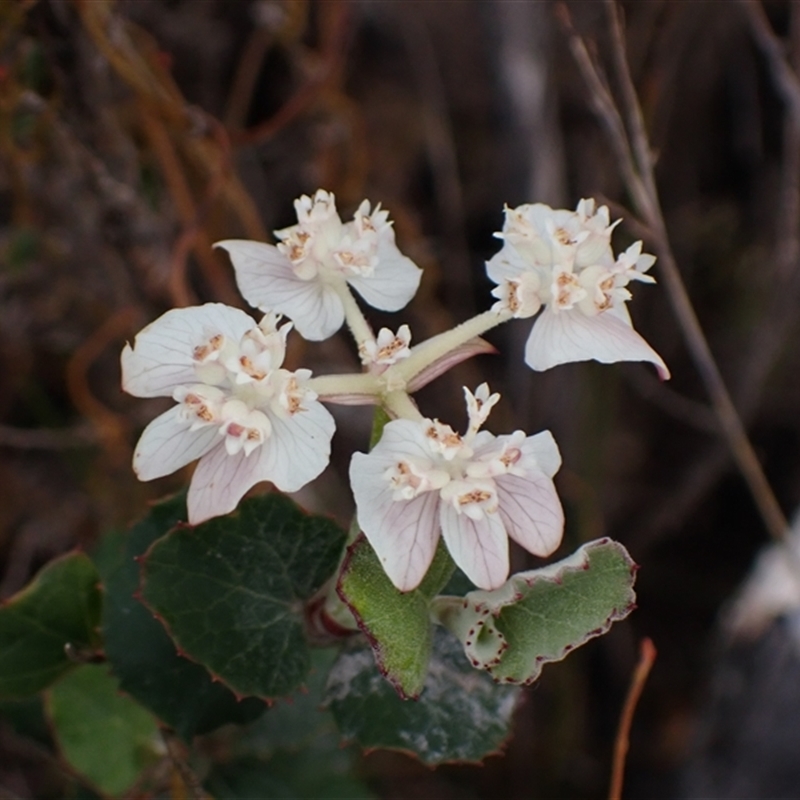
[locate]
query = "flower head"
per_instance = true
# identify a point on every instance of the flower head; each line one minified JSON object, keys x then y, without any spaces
{"x":477,"y":489}
{"x":562,"y":260}
{"x":245,"y":417}
{"x":304,"y":274}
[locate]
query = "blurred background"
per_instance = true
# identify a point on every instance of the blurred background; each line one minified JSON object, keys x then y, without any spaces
{"x":134,"y":134}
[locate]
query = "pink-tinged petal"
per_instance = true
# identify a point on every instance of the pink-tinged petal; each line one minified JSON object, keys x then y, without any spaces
{"x":168,"y":444}
{"x":566,"y":336}
{"x":544,"y":449}
{"x":403,"y":533}
{"x":473,"y":347}
{"x":219,"y":483}
{"x":299,"y":448}
{"x":393,"y":283}
{"x":267,"y":281}
{"x":479,"y":547}
{"x":531,"y":511}
{"x":161,"y":358}
{"x":296,"y":452}
{"x":350,"y":399}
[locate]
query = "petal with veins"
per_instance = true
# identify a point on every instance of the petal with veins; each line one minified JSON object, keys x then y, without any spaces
{"x":507,"y":264}
{"x":299,"y":448}
{"x":167,"y":444}
{"x":403,"y":533}
{"x":267,"y":281}
{"x":542,"y":446}
{"x":567,"y":336}
{"x":295,"y":453}
{"x":393,"y":283}
{"x":219,"y":483}
{"x":479,"y":547}
{"x":161,"y":358}
{"x":531,"y":511}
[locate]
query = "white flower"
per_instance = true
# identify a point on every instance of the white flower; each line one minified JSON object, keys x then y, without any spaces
{"x":304,"y":275}
{"x":246,"y":419}
{"x":478,"y":489}
{"x":388,"y":348}
{"x":562,"y":260}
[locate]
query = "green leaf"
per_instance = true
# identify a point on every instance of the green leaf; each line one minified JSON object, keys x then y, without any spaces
{"x":232,"y":590}
{"x":105,"y":736}
{"x":142,"y":655}
{"x":293,"y":751}
{"x":461,"y":714}
{"x":541,"y":616}
{"x":397,"y":625}
{"x":60,"y":607}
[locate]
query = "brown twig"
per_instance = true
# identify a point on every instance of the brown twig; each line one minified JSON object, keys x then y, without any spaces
{"x":47,"y":439}
{"x":177,"y":754}
{"x":636,"y":165}
{"x":327,"y":70}
{"x":647,"y":658}
{"x":111,"y":427}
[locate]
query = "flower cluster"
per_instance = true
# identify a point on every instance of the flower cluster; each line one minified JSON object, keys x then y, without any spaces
{"x":306,"y":275}
{"x":239,"y":412}
{"x":562,"y":261}
{"x":247,"y":419}
{"x":477,"y":489}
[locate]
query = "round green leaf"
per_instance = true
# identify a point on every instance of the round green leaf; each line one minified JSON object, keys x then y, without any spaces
{"x":461,"y":714}
{"x":232,"y":591}
{"x":59,"y":608}
{"x":105,"y":736}
{"x":142,"y":655}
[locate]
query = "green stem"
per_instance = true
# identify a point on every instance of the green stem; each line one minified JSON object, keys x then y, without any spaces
{"x":359,"y":327}
{"x":439,"y":346}
{"x":400,"y":405}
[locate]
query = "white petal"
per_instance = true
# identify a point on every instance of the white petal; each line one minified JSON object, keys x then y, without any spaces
{"x":168,"y":444}
{"x":298,"y":449}
{"x":566,"y":336}
{"x":267,"y":281}
{"x":531,"y":511}
{"x":506,"y":264}
{"x":401,"y":438}
{"x":219,"y":482}
{"x":479,"y":547}
{"x":544,"y":449}
{"x":394,"y":282}
{"x":403,"y":533}
{"x":161,"y":358}
{"x":296,"y":452}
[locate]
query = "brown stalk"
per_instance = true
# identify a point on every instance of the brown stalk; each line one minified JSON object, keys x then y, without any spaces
{"x":647,"y":658}
{"x":631,"y":147}
{"x":110,"y":426}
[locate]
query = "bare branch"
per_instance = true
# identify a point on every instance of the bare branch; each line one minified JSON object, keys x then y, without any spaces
{"x":645,"y":197}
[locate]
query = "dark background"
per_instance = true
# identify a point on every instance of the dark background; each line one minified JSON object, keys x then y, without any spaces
{"x":135,"y":134}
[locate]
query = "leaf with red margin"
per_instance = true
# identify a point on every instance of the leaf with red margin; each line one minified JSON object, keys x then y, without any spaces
{"x":232,"y":590}
{"x":141,"y":654}
{"x":397,"y":624}
{"x":461,"y":714}
{"x":540,"y":616}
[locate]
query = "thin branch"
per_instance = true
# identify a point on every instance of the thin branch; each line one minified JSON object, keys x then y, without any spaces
{"x":645,"y":197}
{"x":621,"y":743}
{"x":177,"y":754}
{"x":787,"y":81}
{"x":83,"y":435}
